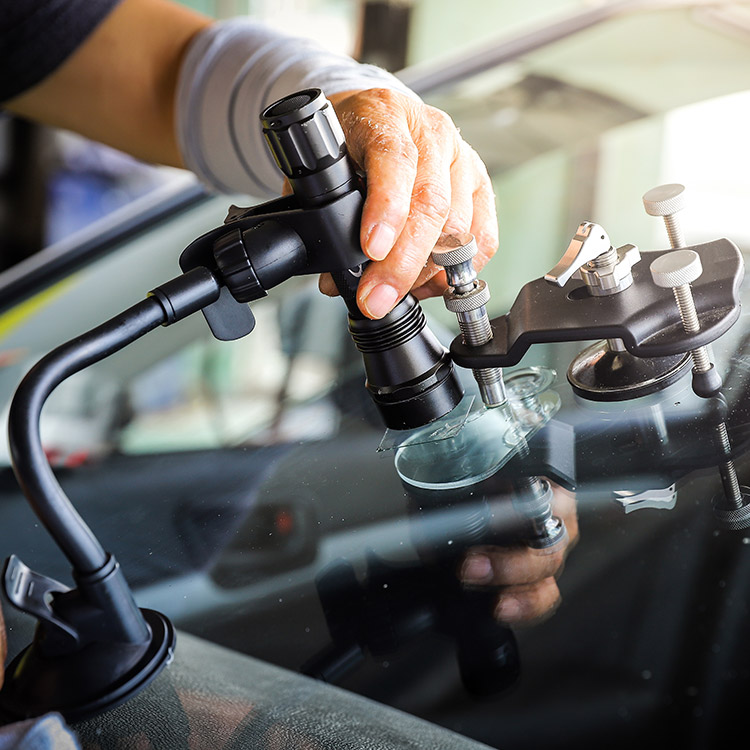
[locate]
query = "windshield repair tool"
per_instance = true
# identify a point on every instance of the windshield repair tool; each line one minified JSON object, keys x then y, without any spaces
{"x":467,"y":296}
{"x":93,"y":647}
{"x":645,"y":342}
{"x":316,"y":230}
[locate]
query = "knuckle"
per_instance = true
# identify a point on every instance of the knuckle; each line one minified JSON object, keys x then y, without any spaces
{"x":407,"y":265}
{"x":488,"y":243}
{"x":556,"y":564}
{"x":438,"y":126}
{"x":468,"y":155}
{"x":476,"y":160}
{"x":407,"y":150}
{"x":457,"y":223}
{"x":439,"y":119}
{"x":432,"y":199}
{"x":387,"y":146}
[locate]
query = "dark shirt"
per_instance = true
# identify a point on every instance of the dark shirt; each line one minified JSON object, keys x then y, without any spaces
{"x":37,"y":36}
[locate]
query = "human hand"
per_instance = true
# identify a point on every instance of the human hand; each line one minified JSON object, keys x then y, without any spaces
{"x":423,"y":180}
{"x":526,"y":577}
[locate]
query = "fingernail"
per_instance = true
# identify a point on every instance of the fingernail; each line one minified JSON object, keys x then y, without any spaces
{"x":508,"y":609}
{"x":380,"y":241}
{"x":476,"y":569}
{"x":380,"y":300}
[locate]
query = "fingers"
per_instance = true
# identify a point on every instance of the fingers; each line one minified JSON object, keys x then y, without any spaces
{"x":390,"y":160}
{"x":508,"y":566}
{"x":327,"y":285}
{"x":528,"y":604}
{"x":422,"y":180}
{"x":526,"y":577}
{"x":379,"y":140}
{"x":426,"y":210}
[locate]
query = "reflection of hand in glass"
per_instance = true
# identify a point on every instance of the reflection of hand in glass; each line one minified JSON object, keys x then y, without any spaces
{"x":527,"y":577}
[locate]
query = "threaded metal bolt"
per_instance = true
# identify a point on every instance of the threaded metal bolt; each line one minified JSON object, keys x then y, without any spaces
{"x":475,"y":332}
{"x":676,"y":270}
{"x":727,"y":470}
{"x":534,"y":502}
{"x":467,"y":299}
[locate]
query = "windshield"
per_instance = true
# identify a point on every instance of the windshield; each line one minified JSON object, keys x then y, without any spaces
{"x":249,"y":493}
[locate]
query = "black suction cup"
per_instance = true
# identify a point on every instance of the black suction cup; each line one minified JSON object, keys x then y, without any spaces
{"x":599,"y":373}
{"x":81,"y":684}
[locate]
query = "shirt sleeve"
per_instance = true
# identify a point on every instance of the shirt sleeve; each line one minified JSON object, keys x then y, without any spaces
{"x":37,"y":36}
{"x":232,"y":70}
{"x":48,"y":732}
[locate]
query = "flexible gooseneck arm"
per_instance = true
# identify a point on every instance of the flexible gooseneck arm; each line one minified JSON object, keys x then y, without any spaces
{"x":93,"y":647}
{"x":30,"y":463}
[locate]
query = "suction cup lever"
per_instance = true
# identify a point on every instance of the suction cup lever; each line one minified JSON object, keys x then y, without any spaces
{"x":604,"y":269}
{"x":589,"y":243}
{"x":32,"y":593}
{"x":93,"y":647}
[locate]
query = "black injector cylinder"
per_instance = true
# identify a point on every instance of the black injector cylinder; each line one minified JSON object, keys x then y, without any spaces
{"x":409,"y":373}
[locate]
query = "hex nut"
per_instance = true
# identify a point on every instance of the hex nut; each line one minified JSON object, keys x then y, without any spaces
{"x":473,"y":300}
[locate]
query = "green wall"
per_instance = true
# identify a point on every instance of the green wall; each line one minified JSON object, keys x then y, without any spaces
{"x":441,"y":27}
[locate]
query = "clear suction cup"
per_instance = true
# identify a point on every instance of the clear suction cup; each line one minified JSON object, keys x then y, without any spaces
{"x":474,"y":445}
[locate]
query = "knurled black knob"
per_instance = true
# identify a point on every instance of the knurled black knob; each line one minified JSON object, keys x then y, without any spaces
{"x":307,"y":142}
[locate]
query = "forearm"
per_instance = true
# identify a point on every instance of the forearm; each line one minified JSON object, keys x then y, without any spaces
{"x":119,"y":86}
{"x":148,"y":82}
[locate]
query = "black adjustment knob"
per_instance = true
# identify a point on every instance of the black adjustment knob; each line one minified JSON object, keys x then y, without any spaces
{"x":307,"y":143}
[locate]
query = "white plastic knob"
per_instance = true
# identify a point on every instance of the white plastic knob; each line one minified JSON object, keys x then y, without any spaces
{"x":664,"y":200}
{"x":677,"y":268}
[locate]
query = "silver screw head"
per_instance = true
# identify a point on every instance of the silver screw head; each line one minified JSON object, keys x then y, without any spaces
{"x":677,"y":268}
{"x":454,"y":249}
{"x":664,"y":200}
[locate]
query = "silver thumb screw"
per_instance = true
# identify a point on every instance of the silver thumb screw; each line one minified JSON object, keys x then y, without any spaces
{"x":676,"y":270}
{"x":467,"y":297}
{"x":667,"y":201}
